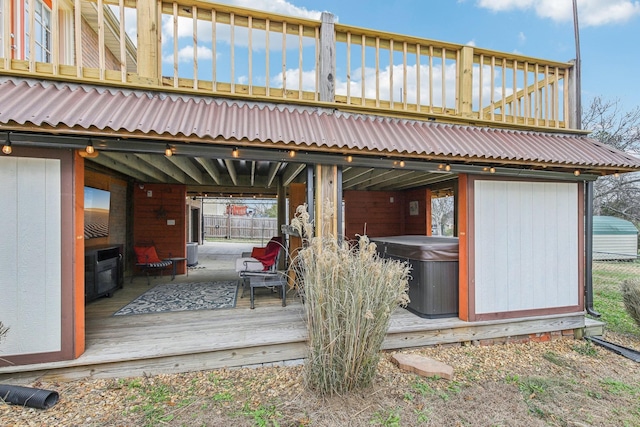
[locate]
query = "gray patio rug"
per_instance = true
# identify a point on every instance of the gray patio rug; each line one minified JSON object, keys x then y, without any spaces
{"x":184,"y":297}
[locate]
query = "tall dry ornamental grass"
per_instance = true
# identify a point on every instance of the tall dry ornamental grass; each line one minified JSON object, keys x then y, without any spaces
{"x":631,"y":297}
{"x":349,"y":295}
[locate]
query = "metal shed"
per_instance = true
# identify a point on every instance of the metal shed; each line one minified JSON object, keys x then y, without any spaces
{"x":614,"y":238}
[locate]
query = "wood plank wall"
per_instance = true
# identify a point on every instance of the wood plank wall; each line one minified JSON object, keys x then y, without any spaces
{"x":384,"y":213}
{"x":417,"y":224}
{"x":159,"y":217}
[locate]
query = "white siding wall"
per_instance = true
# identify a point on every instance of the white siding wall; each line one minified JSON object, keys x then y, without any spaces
{"x":619,"y":244}
{"x":526,"y":245}
{"x":30,"y":265}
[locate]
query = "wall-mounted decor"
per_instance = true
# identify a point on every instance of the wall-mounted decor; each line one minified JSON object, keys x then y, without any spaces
{"x":96,"y":213}
{"x":414,"y":208}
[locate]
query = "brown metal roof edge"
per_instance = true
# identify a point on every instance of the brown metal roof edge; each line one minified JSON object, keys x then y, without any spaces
{"x":335,"y":128}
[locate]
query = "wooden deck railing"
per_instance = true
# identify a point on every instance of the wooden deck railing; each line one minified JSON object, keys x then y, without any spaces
{"x":220,"y":50}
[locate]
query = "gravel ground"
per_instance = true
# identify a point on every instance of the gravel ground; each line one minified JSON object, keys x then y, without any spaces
{"x":560,"y":383}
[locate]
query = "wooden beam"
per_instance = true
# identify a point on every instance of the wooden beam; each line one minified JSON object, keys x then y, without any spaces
{"x":394,"y":177}
{"x":273,"y":170}
{"x":187,"y":166}
{"x":233,"y":189}
{"x":521,"y":94}
{"x":148,"y":36}
{"x":422,"y":178}
{"x":465,"y":82}
{"x":110,"y":163}
{"x":133,"y":163}
{"x":253,"y":172}
{"x":291,"y":172}
{"x":327,"y":58}
{"x":466,"y":297}
{"x":79,"y":317}
{"x":231,"y":170}
{"x":210,"y":167}
{"x":327,"y":201}
{"x":353,"y":173}
{"x":164,"y":165}
{"x":376,"y":174}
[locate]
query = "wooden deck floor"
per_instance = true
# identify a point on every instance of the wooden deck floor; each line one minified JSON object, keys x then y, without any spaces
{"x":119,"y":346}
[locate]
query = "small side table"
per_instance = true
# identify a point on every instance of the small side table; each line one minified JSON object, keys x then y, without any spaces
{"x":269,"y":281}
{"x":174,"y":264}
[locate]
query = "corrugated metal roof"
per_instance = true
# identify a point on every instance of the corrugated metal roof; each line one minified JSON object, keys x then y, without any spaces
{"x":613,"y":226}
{"x":120,"y":110}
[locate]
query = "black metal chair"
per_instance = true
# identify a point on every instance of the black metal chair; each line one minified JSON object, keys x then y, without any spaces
{"x":147,"y":259}
{"x":262,"y":267}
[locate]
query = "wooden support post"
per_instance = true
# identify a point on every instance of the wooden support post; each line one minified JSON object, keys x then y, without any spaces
{"x":465,"y":291}
{"x":327,"y":58}
{"x":297,"y":197}
{"x":79,"y":343}
{"x":465,"y":82}
{"x":327,"y":200}
{"x":282,"y":205}
{"x":148,"y":40}
{"x":282,"y":215}
{"x":428,"y":210}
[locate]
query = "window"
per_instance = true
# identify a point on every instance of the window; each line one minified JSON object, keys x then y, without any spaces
{"x":41,"y":31}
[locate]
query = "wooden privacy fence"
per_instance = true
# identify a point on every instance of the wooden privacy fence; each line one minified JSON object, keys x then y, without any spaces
{"x":239,"y":227}
{"x":205,"y":48}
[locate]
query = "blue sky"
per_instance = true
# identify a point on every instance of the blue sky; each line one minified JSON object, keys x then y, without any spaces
{"x":609,"y":31}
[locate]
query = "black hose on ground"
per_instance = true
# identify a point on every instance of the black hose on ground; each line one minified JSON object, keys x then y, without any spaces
{"x":27,"y":396}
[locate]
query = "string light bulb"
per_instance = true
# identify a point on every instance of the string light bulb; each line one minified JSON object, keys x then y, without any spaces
{"x":292,"y":154}
{"x":349,"y":159}
{"x":402,"y":163}
{"x":167,"y":151}
{"x":616,"y":175}
{"x":89,"y":149}
{"x":576,"y":172}
{"x":492,"y":170}
{"x":6,"y":148}
{"x":235,"y":153}
{"x":447,"y":168}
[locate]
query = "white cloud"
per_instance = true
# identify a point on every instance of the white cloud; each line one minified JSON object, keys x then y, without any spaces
{"x":186,"y":55}
{"x":130,"y":21}
{"x":471,"y":43}
{"x":384,"y":84}
{"x":223,"y":32}
{"x":521,"y":37}
{"x":277,"y":6}
{"x":590,"y":12}
{"x":293,"y":80}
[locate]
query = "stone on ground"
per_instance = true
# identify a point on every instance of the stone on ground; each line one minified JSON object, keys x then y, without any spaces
{"x":422,"y":366}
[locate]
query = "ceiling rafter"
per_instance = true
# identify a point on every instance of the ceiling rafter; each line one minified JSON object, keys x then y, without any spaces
{"x":120,"y":167}
{"x":188,"y":167}
{"x":273,"y":171}
{"x":210,"y":167}
{"x":291,"y":172}
{"x":161,"y":163}
{"x":130,"y":161}
{"x":381,"y":178}
{"x":231,"y":170}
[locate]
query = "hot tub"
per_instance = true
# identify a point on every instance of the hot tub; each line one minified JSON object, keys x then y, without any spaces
{"x":433,"y":285}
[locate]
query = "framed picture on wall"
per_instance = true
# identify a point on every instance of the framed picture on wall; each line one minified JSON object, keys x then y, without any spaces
{"x":414,"y":208}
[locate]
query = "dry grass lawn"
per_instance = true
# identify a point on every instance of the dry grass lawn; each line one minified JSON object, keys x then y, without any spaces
{"x":559,"y":383}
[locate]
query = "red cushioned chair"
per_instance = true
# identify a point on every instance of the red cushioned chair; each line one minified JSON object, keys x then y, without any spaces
{"x":263,"y":261}
{"x":147,"y":259}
